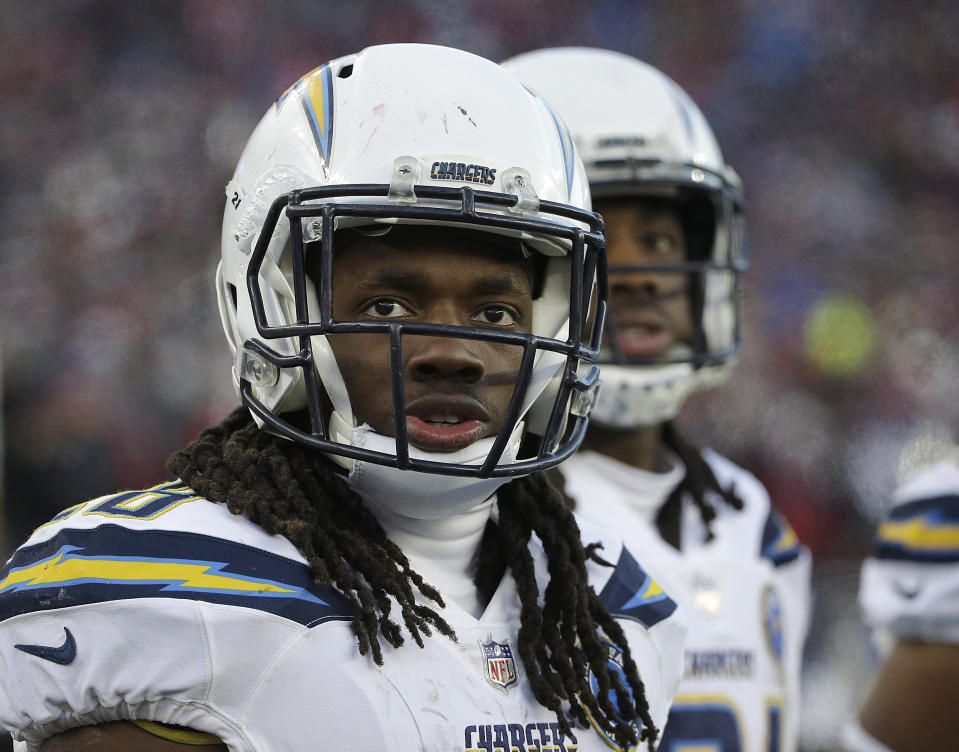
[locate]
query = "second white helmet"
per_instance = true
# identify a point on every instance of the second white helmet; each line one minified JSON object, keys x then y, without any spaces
{"x":640,"y":134}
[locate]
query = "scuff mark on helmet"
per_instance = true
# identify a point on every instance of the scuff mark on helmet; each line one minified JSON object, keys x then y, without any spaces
{"x":465,"y":114}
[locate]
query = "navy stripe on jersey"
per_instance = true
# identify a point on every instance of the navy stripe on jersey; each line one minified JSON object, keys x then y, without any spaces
{"x":780,"y":544}
{"x":111,"y":562}
{"x":926,"y":530}
{"x":633,"y":594}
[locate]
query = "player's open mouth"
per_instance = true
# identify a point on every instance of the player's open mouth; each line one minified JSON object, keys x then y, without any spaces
{"x":445,"y":425}
{"x":442,"y":436}
{"x":642,"y":340}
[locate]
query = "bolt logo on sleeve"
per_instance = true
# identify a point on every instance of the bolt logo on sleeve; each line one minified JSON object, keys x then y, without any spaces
{"x":633,"y":594}
{"x":780,"y":544}
{"x":926,"y":530}
{"x":111,"y":562}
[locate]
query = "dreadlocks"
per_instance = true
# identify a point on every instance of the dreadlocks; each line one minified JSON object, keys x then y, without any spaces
{"x":290,"y":490}
{"x":698,"y":480}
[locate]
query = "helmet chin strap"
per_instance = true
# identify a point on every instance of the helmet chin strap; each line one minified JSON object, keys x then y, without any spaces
{"x":644,"y":396}
{"x":632,"y":397}
{"x":419,"y":495}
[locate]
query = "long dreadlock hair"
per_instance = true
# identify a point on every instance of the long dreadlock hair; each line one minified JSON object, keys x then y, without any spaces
{"x":697,"y":482}
{"x":290,"y":490}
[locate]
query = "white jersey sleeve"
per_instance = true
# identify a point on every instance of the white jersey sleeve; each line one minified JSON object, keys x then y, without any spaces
{"x":161,"y":606}
{"x":910,"y":584}
{"x":147,"y":605}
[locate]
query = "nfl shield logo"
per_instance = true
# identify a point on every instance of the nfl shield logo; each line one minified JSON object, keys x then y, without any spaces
{"x":499,"y":664}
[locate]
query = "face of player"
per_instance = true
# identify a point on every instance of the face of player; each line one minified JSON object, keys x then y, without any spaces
{"x":457,"y":391}
{"x":651,"y":310}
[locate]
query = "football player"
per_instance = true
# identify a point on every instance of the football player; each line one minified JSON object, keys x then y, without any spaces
{"x":367,"y":554}
{"x":909,"y":594}
{"x":674,"y":223}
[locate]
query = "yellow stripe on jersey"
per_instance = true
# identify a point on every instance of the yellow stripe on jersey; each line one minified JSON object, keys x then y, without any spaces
{"x":705,"y":702}
{"x":654,"y":588}
{"x":920,"y":533}
{"x":178,"y":734}
{"x":787,"y":540}
{"x":774,"y":721}
{"x":64,"y":570}
{"x":707,"y":699}
{"x":68,"y":512}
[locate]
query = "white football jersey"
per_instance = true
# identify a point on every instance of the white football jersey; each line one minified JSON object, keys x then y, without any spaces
{"x":159,"y":605}
{"x":746,"y":595}
{"x":910,"y":585}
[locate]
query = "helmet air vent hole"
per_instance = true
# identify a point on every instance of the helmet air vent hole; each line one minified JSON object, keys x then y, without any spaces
{"x":346,"y":71}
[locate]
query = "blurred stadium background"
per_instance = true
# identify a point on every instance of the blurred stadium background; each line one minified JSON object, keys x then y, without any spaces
{"x":122,"y":122}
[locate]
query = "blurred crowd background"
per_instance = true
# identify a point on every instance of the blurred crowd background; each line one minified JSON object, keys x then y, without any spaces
{"x":121,"y":123}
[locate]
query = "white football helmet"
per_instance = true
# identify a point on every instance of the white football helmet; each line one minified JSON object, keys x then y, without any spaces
{"x":640,"y":134}
{"x":415,"y":134}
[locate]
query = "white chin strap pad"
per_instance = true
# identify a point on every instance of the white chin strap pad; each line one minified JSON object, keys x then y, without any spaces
{"x":631,"y":397}
{"x":424,"y":496}
{"x":639,"y":397}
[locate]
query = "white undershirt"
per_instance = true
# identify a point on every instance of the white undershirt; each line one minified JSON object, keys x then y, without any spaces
{"x":642,"y":491}
{"x":443,"y":551}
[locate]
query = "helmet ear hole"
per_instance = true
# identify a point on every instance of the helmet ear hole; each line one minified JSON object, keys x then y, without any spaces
{"x":536,"y":267}
{"x":697,"y":215}
{"x":227,"y":303}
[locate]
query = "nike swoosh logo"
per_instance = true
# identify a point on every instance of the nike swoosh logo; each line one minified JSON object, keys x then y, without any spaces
{"x":905,"y":591}
{"x":63,"y":655}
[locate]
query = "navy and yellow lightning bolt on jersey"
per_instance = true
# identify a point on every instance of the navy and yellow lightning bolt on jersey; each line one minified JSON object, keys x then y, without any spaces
{"x":161,"y":606}
{"x":746,"y":594}
{"x":910,"y":584}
